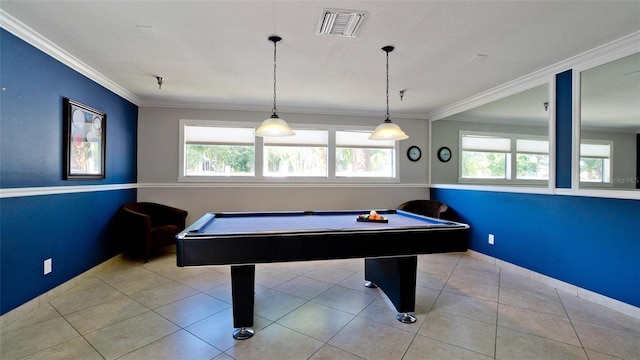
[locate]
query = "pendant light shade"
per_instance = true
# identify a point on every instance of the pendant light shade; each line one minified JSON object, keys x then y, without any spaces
{"x":274,"y":126}
{"x":388,"y":130}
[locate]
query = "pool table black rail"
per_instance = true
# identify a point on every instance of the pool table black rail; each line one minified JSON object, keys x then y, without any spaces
{"x":306,"y":246}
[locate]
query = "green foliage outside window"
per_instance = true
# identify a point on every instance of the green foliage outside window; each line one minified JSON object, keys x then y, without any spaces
{"x":591,"y":169}
{"x":364,"y":162}
{"x":220,"y":160}
{"x":484,"y":165}
{"x":532,"y":166}
{"x":296,"y":161}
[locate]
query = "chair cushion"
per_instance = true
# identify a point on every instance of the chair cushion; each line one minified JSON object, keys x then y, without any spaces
{"x":164,"y":235}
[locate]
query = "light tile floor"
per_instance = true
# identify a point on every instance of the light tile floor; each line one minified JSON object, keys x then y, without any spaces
{"x":466,"y":309}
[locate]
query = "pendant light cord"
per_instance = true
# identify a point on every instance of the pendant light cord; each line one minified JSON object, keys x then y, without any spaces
{"x":387,"y":130}
{"x":275,"y":110}
{"x":387,"y":119}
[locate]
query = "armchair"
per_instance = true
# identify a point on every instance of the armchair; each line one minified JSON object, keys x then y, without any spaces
{"x":431,"y":208}
{"x":144,"y":227}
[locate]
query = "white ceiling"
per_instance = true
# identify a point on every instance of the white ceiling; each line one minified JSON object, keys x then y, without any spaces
{"x":215,"y":54}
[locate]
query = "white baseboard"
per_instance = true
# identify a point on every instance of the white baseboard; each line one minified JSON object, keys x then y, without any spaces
{"x":599,"y":299}
{"x":43,"y":299}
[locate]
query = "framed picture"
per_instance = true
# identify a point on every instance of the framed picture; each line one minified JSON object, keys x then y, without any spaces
{"x":84,"y":141}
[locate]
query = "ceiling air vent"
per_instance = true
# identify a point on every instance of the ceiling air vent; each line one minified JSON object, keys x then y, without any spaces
{"x":340,"y":22}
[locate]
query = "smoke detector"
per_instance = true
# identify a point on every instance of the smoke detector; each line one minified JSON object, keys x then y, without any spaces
{"x":340,"y":22}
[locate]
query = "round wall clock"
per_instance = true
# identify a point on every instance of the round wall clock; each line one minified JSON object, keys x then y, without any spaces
{"x":414,"y":153}
{"x":444,"y":154}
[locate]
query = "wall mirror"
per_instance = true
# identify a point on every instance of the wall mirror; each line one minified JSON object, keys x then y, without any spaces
{"x":610,"y":125}
{"x":505,"y":142}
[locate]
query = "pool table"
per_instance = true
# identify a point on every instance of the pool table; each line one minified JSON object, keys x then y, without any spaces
{"x":390,"y":249}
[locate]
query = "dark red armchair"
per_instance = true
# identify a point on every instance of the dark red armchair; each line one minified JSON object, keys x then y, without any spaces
{"x":431,"y":208}
{"x":144,"y":227}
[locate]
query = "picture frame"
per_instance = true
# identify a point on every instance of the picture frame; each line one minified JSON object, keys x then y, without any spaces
{"x":85,"y":132}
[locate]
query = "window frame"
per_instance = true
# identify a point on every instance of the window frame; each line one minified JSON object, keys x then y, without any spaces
{"x":182,"y":151}
{"x":511,"y":177}
{"x":354,"y":145}
{"x":532,"y":138}
{"x":609,"y":176}
{"x":206,"y":141}
{"x":259,"y":154}
{"x":286,"y":143}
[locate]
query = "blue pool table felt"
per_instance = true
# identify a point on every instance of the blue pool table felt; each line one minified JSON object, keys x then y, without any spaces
{"x":301,"y":222}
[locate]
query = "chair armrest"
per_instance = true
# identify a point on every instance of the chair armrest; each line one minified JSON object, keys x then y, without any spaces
{"x":165,"y":215}
{"x":132,"y":227}
{"x":132,"y":218}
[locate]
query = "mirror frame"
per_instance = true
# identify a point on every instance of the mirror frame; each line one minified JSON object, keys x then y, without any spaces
{"x":616,"y":50}
{"x":499,"y":93}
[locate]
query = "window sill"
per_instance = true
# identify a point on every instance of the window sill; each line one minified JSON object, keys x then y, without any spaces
{"x":275,"y":182}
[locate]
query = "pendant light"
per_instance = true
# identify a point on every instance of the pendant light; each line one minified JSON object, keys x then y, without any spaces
{"x":274,"y":126}
{"x":388,"y":130}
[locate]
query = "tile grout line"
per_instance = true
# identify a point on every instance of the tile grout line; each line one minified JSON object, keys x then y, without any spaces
{"x":571,"y":322}
{"x":180,"y":328}
{"x":330,"y":307}
{"x":74,"y":328}
{"x":431,"y":308}
{"x":141,"y":304}
{"x":313,"y":302}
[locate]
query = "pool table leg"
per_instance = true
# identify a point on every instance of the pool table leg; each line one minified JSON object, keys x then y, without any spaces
{"x":396,"y":276}
{"x":242,"y":294}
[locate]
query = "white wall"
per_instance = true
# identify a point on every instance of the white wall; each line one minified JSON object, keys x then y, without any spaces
{"x":158,"y":144}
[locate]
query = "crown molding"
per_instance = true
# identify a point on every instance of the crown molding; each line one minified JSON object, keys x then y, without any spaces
{"x":626,"y":45}
{"x":43,"y":44}
{"x":282,"y":109}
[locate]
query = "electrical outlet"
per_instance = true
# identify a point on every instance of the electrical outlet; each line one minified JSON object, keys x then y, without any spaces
{"x":492,"y":239}
{"x":48,"y":266}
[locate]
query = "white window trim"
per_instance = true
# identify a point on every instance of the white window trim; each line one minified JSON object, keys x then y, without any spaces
{"x":182,"y":151}
{"x":259,"y":158}
{"x":512,"y":168}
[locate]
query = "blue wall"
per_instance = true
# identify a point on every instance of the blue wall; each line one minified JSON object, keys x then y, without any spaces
{"x":32,"y":123}
{"x":564,"y":129}
{"x":73,"y":229}
{"x":593,"y":243}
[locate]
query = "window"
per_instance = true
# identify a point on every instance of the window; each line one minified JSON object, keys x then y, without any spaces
{"x":304,"y":154}
{"x":532,"y":159}
{"x":222,"y":151}
{"x":506,"y":158}
{"x":218,"y":151}
{"x":357,"y":156}
{"x":485,"y":157}
{"x":595,"y":161}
